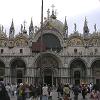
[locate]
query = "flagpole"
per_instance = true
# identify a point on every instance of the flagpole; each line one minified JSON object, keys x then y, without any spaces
{"x":41,"y":43}
{"x":42,"y":15}
{"x":41,"y":32}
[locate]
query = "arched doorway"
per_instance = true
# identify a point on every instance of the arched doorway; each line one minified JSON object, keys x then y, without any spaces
{"x":77,"y":71}
{"x":47,"y":69}
{"x":96,"y":71}
{"x":2,"y":71}
{"x":18,"y":68}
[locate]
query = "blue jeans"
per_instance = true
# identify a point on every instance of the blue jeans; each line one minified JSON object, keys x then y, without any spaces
{"x":44,"y":97}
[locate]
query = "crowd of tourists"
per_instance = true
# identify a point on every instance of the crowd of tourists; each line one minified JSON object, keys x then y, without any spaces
{"x":84,"y":89}
{"x":23,"y":91}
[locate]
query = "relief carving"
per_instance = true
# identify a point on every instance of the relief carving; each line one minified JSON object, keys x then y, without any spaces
{"x":75,"y":41}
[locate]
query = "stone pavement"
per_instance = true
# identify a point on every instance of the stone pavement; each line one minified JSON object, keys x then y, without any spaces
{"x":55,"y":97}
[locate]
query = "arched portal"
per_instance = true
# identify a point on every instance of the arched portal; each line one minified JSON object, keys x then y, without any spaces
{"x":18,"y":68}
{"x":77,"y":71}
{"x":2,"y":70}
{"x":96,"y":71}
{"x":47,"y":69}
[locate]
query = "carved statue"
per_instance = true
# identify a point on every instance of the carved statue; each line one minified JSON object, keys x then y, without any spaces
{"x":2,"y":28}
{"x":75,"y":27}
{"x":95,"y":28}
{"x":21,"y":28}
{"x":48,"y":13}
{"x":24,"y":24}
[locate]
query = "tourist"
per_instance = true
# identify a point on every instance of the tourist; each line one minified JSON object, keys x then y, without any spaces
{"x":3,"y":92}
{"x":60,"y":90}
{"x":93,"y":95}
{"x":98,"y":95}
{"x":21,"y":92}
{"x":66,"y":91}
{"x":45,"y":92}
{"x":76,"y":91}
{"x":84,"y":91}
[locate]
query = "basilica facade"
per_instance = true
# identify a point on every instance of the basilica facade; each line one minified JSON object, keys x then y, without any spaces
{"x":50,"y":54}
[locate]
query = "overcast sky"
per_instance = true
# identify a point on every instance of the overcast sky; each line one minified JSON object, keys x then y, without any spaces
{"x":74,"y":10}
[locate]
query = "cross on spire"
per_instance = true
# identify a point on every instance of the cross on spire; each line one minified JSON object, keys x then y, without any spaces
{"x":52,"y":7}
{"x":53,"y":14}
{"x":85,"y":21}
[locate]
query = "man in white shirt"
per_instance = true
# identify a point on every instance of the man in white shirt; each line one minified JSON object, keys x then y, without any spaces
{"x":45,"y":92}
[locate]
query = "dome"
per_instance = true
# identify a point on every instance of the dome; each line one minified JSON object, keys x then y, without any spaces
{"x":56,"y":24}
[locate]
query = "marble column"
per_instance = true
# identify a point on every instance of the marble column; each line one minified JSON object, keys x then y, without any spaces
{"x":7,"y":74}
{"x":88,"y":75}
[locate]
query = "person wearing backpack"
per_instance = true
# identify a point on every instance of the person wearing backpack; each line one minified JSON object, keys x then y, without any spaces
{"x":76,"y":91}
{"x":66,"y":91}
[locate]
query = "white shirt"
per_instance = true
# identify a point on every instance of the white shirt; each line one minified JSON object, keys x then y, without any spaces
{"x":45,"y":90}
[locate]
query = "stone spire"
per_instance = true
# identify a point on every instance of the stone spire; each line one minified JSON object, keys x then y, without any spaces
{"x":11,"y":30}
{"x":65,"y":28}
{"x":31,"y":28}
{"x":24,"y":30}
{"x":85,"y":28}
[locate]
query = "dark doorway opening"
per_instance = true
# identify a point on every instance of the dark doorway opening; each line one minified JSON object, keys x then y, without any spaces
{"x":98,"y":81}
{"x":77,"y":82}
{"x":48,"y":80}
{"x":1,"y":79}
{"x":19,"y":76}
{"x":19,"y":81}
{"x":77,"y":77}
{"x":77,"y":74}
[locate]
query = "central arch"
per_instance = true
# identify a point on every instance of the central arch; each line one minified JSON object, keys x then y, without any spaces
{"x":77,"y":71}
{"x":47,"y":68}
{"x":18,"y":69}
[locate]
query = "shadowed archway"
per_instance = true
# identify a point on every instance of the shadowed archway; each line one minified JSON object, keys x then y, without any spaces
{"x":96,"y":71}
{"x":77,"y":71}
{"x":2,"y":70}
{"x":18,"y":69}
